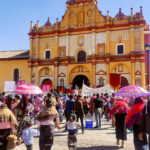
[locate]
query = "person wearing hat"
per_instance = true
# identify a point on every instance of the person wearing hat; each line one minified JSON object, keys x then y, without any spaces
{"x":8,"y":123}
{"x":46,"y":124}
{"x":78,"y":109}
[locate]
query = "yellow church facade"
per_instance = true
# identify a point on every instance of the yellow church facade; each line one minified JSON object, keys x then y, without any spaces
{"x":85,"y":46}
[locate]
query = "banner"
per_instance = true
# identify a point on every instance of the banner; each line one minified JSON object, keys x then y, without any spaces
{"x":87,"y":91}
{"x":95,"y":86}
{"x":46,"y":88}
{"x":115,"y":80}
{"x":9,"y":86}
{"x":61,"y":89}
{"x":21,"y":82}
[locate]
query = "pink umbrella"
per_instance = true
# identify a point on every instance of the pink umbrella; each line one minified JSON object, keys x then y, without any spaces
{"x":28,"y":89}
{"x":132,"y":91}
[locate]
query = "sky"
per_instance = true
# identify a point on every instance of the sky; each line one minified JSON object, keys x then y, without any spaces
{"x":16,"y":15}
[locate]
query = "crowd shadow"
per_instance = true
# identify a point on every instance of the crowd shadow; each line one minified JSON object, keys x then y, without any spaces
{"x":96,"y":128}
{"x":98,"y":148}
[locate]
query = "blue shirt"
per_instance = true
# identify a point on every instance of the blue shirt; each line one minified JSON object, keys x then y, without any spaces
{"x":28,"y":134}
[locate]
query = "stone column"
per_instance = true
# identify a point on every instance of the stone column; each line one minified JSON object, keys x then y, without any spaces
{"x":31,"y":48}
{"x":30,"y":73}
{"x":142,"y":39}
{"x":108,"y":71}
{"x":107,"y":42}
{"x":93,"y":73}
{"x":132,"y":39}
{"x":93,"y":42}
{"x":143,"y":73}
{"x":67,"y":45}
{"x":55,"y":77}
{"x":132,"y":72}
{"x":37,"y":47}
{"x":37,"y":76}
{"x":57,"y":46}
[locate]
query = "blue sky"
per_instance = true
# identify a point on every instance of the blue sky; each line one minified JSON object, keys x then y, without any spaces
{"x":15,"y":16}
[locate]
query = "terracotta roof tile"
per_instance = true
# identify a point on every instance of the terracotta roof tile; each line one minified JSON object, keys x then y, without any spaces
{"x":17,"y":54}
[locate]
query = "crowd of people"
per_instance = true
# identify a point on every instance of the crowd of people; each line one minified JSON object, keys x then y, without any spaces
{"x":19,"y":112}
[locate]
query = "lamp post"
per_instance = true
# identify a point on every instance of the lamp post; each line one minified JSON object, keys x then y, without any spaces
{"x":148,"y":64}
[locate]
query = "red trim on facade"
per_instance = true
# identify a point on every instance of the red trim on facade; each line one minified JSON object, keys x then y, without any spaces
{"x":87,"y":29}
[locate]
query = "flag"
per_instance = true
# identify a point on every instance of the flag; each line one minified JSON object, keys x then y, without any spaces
{"x":61,"y":89}
{"x":95,"y":86}
{"x":115,"y":80}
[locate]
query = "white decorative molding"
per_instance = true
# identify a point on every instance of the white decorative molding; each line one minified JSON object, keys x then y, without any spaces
{"x":93,"y":42}
{"x":62,"y":69}
{"x":101,"y":67}
{"x":62,"y":41}
{"x":67,"y":45}
{"x":137,"y":66}
{"x":124,"y":34}
{"x":100,"y":38}
{"x":65,"y":80}
{"x":103,"y":76}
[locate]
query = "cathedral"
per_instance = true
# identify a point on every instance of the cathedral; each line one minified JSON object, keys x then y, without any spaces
{"x":84,"y":46}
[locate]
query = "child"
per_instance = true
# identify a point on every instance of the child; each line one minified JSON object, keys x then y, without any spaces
{"x":27,"y":135}
{"x":72,"y":126}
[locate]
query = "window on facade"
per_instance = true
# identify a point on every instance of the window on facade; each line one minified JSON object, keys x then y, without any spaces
{"x":138,"y":82}
{"x":120,"y":49}
{"x":47,"y":71}
{"x":16,"y":75}
{"x":80,"y":69}
{"x":47,"y":54}
{"x":81,"y":56}
{"x":120,"y":68}
{"x":101,"y":82}
{"x":61,"y":82}
{"x":100,"y":50}
{"x":62,"y":53}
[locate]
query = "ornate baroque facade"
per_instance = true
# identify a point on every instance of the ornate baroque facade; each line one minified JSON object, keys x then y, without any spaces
{"x":86,"y":45}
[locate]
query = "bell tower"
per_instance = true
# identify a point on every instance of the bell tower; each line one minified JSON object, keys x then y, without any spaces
{"x":81,"y":13}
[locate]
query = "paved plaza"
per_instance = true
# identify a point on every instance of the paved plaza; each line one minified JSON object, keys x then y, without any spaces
{"x":93,"y":139}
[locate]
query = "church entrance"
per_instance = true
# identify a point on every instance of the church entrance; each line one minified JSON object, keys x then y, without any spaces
{"x":124,"y":82}
{"x":78,"y":81}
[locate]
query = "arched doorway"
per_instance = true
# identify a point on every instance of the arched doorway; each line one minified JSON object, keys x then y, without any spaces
{"x":47,"y":82}
{"x":78,"y":81}
{"x":16,"y":75}
{"x":124,"y":82}
{"x":81,"y":56}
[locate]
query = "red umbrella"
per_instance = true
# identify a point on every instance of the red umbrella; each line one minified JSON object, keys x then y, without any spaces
{"x":28,"y":89}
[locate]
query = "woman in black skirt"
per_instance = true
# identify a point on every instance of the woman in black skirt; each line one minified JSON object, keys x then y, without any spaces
{"x":121,"y":132}
{"x":46,"y":125}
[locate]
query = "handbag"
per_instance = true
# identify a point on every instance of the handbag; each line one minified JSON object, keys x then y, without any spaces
{"x":12,"y":139}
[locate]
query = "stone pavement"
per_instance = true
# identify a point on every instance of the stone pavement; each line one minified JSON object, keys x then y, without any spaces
{"x":93,"y":139}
